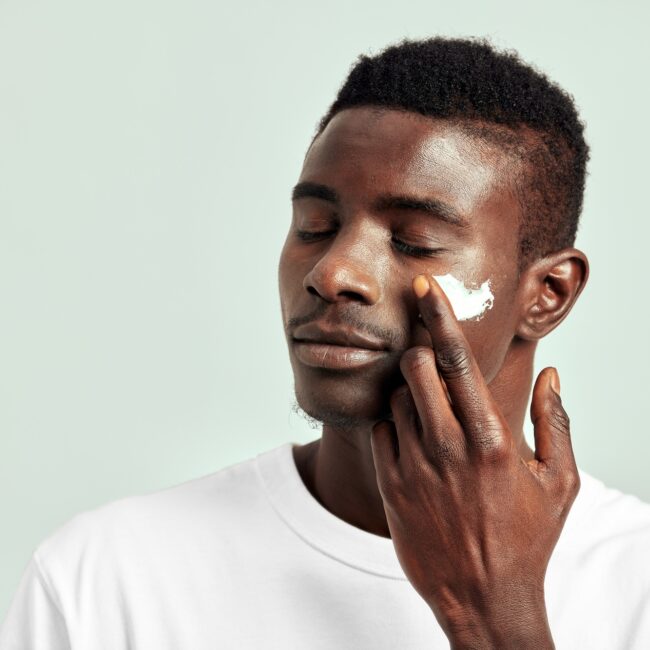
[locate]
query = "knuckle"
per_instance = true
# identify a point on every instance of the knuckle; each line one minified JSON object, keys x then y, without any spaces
{"x":487,"y":440}
{"x":454,"y":360}
{"x":491,"y":449}
{"x":566,"y":490}
{"x":444,"y":452}
{"x":419,"y":474}
{"x":558,"y":419}
{"x":571,"y":483}
{"x":417,"y":358}
{"x":391,"y":487}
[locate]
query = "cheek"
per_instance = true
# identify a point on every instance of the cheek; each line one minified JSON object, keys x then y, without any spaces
{"x":491,"y":335}
{"x":287,"y":270}
{"x":467,"y":303}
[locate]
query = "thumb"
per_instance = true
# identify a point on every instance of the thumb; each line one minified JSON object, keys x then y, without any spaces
{"x":551,"y":422}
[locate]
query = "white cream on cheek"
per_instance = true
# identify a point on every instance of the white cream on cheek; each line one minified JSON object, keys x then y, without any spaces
{"x":467,"y":303}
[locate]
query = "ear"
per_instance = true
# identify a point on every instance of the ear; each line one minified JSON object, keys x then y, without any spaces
{"x":548,"y":289}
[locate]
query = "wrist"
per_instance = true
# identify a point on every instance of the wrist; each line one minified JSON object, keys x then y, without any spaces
{"x":486,"y":637}
{"x":508,"y":629}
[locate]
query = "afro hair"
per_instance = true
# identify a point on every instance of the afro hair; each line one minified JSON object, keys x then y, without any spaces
{"x":495,"y":95}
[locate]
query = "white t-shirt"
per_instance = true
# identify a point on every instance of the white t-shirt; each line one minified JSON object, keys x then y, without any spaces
{"x":246,"y":558}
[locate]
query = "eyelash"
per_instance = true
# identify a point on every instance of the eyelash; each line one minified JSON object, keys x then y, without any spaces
{"x":415,"y":251}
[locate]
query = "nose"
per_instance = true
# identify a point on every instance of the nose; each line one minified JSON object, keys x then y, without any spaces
{"x":350,"y":268}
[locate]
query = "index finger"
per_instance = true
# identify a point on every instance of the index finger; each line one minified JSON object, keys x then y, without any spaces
{"x":471,"y":399}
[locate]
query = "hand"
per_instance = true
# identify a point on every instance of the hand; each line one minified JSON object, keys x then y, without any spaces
{"x":473,"y":523}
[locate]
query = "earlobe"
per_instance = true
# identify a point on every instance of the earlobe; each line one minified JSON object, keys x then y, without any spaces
{"x":548,"y":289}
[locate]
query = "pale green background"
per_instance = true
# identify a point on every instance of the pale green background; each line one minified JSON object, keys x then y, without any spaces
{"x":147,"y":150}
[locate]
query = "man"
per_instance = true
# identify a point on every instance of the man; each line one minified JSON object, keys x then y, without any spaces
{"x":431,"y":248}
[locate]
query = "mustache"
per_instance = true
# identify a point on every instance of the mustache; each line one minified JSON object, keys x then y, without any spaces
{"x":347,"y":317}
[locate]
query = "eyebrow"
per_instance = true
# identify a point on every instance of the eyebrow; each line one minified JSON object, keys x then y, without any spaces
{"x":433,"y":207}
{"x":316,"y":191}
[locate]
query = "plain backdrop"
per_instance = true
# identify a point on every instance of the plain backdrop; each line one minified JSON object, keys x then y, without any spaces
{"x":147,"y":152}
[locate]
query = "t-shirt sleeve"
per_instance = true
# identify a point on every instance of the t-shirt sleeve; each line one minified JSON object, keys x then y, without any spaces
{"x":34,"y":621}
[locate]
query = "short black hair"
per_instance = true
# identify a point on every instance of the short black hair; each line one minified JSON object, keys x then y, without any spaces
{"x":495,"y":95}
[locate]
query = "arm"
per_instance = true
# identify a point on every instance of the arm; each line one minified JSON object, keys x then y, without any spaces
{"x":473,"y":523}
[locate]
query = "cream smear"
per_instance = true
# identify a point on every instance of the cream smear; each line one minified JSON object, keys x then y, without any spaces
{"x":467,"y":303}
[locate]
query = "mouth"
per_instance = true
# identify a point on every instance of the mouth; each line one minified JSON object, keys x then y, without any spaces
{"x":322,"y":346}
{"x":335,"y":356}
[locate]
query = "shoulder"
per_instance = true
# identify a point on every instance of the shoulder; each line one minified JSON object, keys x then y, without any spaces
{"x":609,"y":533}
{"x":599,"y":581}
{"x":104,"y":563}
{"x":613,"y":516}
{"x":140,"y":523}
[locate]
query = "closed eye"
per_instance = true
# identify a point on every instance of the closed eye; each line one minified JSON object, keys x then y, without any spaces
{"x":403,"y":247}
{"x":416,"y":251}
{"x":306,"y":235}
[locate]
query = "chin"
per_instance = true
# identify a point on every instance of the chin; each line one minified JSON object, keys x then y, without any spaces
{"x":344,"y":406}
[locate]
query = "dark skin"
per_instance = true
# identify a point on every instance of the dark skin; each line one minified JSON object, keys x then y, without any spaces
{"x":426,"y":444}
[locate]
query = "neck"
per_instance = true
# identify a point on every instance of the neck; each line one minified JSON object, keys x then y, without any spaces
{"x":338,"y":468}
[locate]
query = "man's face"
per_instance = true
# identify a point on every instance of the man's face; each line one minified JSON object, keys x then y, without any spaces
{"x":352,"y":273}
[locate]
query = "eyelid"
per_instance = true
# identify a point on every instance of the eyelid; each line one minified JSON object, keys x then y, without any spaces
{"x":415,"y":251}
{"x":307,"y":235}
{"x":408,"y":249}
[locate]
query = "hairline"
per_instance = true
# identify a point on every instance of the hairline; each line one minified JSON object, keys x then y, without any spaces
{"x":516,"y":141}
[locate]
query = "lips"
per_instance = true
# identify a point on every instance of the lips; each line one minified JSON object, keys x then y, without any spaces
{"x":318,"y":333}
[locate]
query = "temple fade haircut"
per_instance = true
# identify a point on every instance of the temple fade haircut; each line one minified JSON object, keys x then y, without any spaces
{"x":494,"y":95}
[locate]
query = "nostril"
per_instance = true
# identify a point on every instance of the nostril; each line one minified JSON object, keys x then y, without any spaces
{"x":351,"y":294}
{"x":339,"y":281}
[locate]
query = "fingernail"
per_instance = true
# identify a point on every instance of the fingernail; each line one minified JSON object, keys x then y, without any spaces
{"x":555,"y":381}
{"x":420,"y":286}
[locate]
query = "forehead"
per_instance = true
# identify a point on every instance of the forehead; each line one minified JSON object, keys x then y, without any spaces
{"x":367,"y":150}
